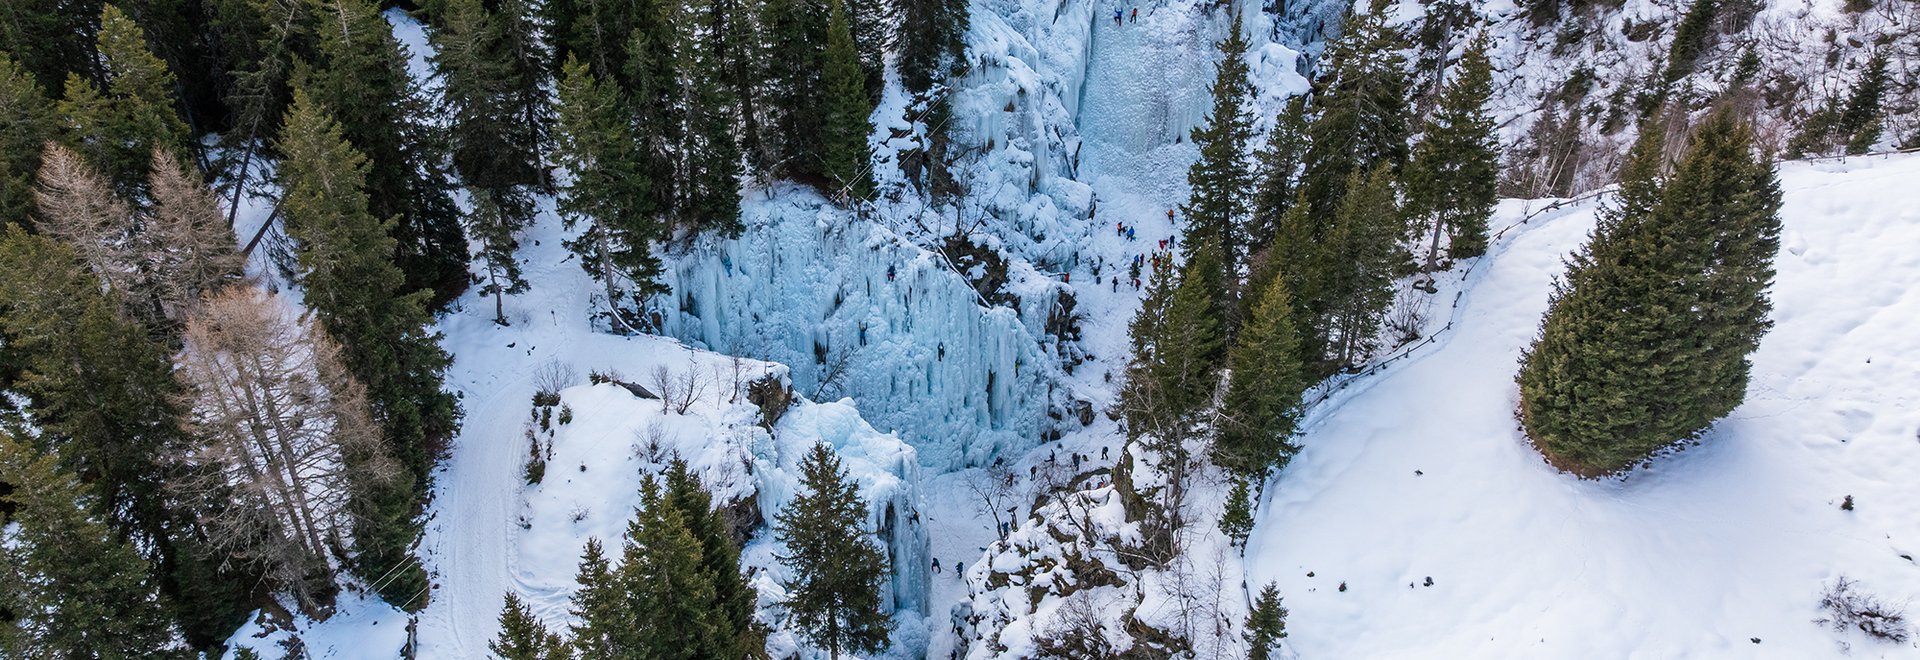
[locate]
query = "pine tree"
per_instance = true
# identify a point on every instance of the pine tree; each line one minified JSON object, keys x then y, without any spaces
{"x":834,"y":595}
{"x":354,"y":288}
{"x":932,"y":40}
{"x":74,"y":588}
{"x":1176,"y":351}
{"x":495,"y":138}
{"x":1221,"y":179}
{"x":52,"y":39}
{"x":710,"y":158}
{"x":27,"y":122}
{"x":793,"y":44}
{"x":1236,"y":521}
{"x":610,"y":192}
{"x":1278,"y":174}
{"x":1645,"y":341}
{"x":118,"y":127}
{"x":498,"y":233}
{"x":666,"y":587}
{"x":870,"y":24}
{"x":1451,"y":182}
{"x":1266,"y":625}
{"x":734,"y":599}
{"x":1263,"y":390}
{"x":361,"y":78}
{"x":1361,"y":252}
{"x":846,"y":157}
{"x":1361,"y":120}
{"x":523,"y":636}
{"x":606,"y":626}
{"x":655,"y":96}
{"x":1690,"y":38}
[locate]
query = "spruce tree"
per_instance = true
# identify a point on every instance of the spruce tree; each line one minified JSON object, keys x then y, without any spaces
{"x":353,"y":286}
{"x":734,"y":599}
{"x":523,"y":636}
{"x":117,"y":127}
{"x":932,"y":40}
{"x":1356,"y":279}
{"x":1266,"y":625}
{"x":1277,"y":170}
{"x":1451,"y":182}
{"x":792,"y":48}
{"x":1221,"y":179}
{"x":1646,"y":339}
{"x":710,"y":157}
{"x":606,"y":626}
{"x":833,"y":595}
{"x":498,"y":233}
{"x":666,"y":588}
{"x":846,"y":159}
{"x":1859,"y":121}
{"x":609,"y":191}
{"x":1263,"y":390}
{"x":655,"y":97}
{"x":495,"y":138}
{"x":51,"y":39}
{"x":361,"y":78}
{"x":1177,"y":351}
{"x":1361,"y":114}
{"x":1236,"y":521}
{"x":74,"y":587}
{"x":870,"y":23}
{"x":27,"y":122}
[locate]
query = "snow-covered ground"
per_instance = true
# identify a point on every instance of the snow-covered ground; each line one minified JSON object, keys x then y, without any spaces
{"x":1422,"y":473}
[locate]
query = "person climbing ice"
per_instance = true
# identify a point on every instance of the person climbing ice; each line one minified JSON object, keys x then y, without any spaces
{"x":1116,"y":17}
{"x":936,"y":564}
{"x":889,"y":272}
{"x":1136,"y":14}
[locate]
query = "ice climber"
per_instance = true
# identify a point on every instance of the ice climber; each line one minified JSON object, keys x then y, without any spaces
{"x":1116,"y":16}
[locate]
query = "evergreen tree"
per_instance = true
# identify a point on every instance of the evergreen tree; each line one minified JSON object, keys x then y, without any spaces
{"x":846,"y":157}
{"x":595,"y":32}
{"x":606,"y":626}
{"x":73,"y":587}
{"x":355,"y":289}
{"x":710,"y":158}
{"x":495,"y":144}
{"x":1278,"y":174}
{"x":1645,"y":342}
{"x":793,"y":50}
{"x":1361,"y":251}
{"x":118,"y":127}
{"x":1451,"y":182}
{"x":1266,"y":625}
{"x":734,"y":599}
{"x":1263,"y":389}
{"x":1691,"y":38}
{"x":665,"y":586}
{"x":523,"y":636}
{"x":27,"y":122}
{"x":498,"y":233}
{"x":1236,"y":521}
{"x":609,"y":191}
{"x":870,"y":24}
{"x":1176,"y":351}
{"x":52,"y":39}
{"x":932,"y":40}
{"x":1221,"y":179}
{"x":735,"y":47}
{"x":361,"y":78}
{"x":834,"y":596}
{"x":655,"y":98}
{"x":1859,"y":123}
{"x":1361,"y":108}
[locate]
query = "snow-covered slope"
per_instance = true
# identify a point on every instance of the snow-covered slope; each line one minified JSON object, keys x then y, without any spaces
{"x":1421,"y":473}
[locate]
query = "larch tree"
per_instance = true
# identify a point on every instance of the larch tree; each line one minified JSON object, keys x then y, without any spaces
{"x":834,"y":595}
{"x":80,"y":207}
{"x":71,"y":585}
{"x":186,"y":242}
{"x":357,"y":292}
{"x":609,"y":193}
{"x":284,"y":431}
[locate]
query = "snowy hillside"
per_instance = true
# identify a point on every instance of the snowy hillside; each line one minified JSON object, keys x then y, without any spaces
{"x":1421,"y":472}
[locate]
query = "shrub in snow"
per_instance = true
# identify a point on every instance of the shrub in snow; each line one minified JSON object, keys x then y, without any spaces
{"x":1847,"y":608}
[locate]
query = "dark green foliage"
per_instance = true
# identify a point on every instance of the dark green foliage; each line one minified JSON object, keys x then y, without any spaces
{"x":1236,"y":521}
{"x":1855,"y":123}
{"x":1451,"y":182}
{"x":523,"y":636}
{"x":610,"y":191}
{"x":594,"y":31}
{"x":793,"y":49}
{"x":871,"y":25}
{"x":846,"y":159}
{"x":1646,"y":340}
{"x":27,"y":122}
{"x":1362,"y":118}
{"x":359,"y":296}
{"x":834,"y":596}
{"x":1221,"y":179}
{"x":492,"y":94}
{"x":361,"y":78}
{"x":1278,"y":171}
{"x":1263,"y":390}
{"x":653,"y":96}
{"x":733,"y":599}
{"x":77,"y":588}
{"x":932,"y":41}
{"x":1691,"y":38}
{"x":52,"y":39}
{"x":1177,"y":351}
{"x":1356,"y":266}
{"x":117,"y":127}
{"x":604,"y":623}
{"x":498,"y":233}
{"x":1266,"y":625}
{"x":710,"y":156}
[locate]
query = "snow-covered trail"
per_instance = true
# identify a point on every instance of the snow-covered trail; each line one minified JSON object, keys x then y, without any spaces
{"x":1422,"y":474}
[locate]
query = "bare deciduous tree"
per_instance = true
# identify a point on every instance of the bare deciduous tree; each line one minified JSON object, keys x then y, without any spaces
{"x":551,"y":377}
{"x":679,"y":390}
{"x":994,"y":487}
{"x":79,"y":207}
{"x":287,"y":436}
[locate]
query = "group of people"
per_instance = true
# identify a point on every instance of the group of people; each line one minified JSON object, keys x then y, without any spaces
{"x":1117,"y":15}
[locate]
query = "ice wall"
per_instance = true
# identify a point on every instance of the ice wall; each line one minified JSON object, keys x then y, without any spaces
{"x":856,"y":311}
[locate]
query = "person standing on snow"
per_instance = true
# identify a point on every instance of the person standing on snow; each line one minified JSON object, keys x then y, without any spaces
{"x":1136,"y":14}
